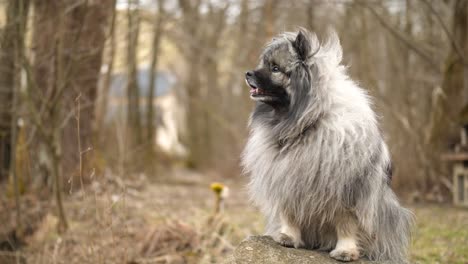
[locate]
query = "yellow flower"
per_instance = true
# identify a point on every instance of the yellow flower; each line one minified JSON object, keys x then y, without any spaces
{"x":217,"y":187}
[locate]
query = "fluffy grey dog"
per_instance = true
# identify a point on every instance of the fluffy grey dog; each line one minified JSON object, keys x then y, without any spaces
{"x":320,"y":170}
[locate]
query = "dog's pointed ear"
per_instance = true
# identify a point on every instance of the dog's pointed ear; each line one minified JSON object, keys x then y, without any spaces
{"x":302,"y":45}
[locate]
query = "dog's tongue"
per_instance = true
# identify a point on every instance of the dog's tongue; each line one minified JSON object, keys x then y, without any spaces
{"x":256,"y":91}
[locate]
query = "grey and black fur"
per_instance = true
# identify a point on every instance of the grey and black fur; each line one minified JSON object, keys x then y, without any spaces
{"x":319,"y":167}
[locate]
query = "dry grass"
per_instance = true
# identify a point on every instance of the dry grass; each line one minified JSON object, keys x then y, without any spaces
{"x":171,"y":221}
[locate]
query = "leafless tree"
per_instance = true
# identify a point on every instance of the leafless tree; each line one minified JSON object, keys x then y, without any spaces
{"x":103,"y":91}
{"x":134,"y":125}
{"x":158,"y":29}
{"x":12,"y":54}
{"x":59,"y":73}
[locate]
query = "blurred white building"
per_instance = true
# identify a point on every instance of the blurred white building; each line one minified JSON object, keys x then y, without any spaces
{"x":169,"y":112}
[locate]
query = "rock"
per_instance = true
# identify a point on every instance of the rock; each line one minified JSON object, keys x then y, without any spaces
{"x":263,"y":250}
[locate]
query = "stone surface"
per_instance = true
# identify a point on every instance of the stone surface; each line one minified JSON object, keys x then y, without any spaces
{"x":263,"y":250}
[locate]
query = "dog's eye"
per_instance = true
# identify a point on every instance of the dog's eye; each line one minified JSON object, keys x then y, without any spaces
{"x":275,"y":68}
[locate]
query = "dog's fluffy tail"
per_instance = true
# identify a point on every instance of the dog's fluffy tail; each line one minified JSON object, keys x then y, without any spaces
{"x":392,"y":230}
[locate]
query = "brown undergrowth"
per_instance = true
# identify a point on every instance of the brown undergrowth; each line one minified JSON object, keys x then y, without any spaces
{"x":172,"y":220}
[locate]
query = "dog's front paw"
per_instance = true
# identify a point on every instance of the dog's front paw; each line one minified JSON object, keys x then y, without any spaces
{"x":345,"y":254}
{"x":288,"y":241}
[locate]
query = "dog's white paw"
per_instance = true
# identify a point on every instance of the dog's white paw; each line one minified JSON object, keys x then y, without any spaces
{"x":289,"y":241}
{"x":345,"y":254}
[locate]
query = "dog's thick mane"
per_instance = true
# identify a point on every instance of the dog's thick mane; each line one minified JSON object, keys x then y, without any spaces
{"x":325,"y":155}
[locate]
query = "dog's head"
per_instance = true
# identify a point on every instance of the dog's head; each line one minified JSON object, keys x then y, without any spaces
{"x":273,"y":80}
{"x":288,"y":69}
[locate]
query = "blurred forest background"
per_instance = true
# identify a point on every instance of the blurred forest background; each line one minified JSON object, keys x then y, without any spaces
{"x":115,"y":115}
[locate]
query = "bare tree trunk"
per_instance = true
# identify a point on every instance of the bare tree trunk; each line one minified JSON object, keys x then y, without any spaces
{"x":446,"y":118}
{"x":60,"y":74}
{"x":243,"y":61}
{"x":11,"y":53}
{"x":446,"y":114}
{"x":103,"y":92}
{"x":55,"y":145}
{"x":212,"y":94}
{"x":195,"y":119}
{"x":7,"y":72}
{"x":45,"y":25}
{"x":194,"y":114}
{"x":311,"y":24}
{"x":265,"y":28}
{"x":158,"y":32}
{"x":407,"y":95}
{"x":269,"y":16}
{"x":55,"y":116}
{"x":86,"y":26}
{"x":81,"y":30}
{"x":133,"y":93}
{"x":22,"y":16}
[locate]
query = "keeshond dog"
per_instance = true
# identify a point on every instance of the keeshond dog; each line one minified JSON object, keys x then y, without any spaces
{"x":319,"y":168}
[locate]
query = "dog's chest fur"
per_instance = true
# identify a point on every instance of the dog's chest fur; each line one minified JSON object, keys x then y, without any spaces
{"x":310,"y":175}
{"x":282,"y":175}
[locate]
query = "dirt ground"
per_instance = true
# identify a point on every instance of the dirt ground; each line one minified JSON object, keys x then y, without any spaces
{"x":171,"y":220}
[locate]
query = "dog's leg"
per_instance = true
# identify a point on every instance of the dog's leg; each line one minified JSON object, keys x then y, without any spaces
{"x":290,"y":234}
{"x":346,"y":248}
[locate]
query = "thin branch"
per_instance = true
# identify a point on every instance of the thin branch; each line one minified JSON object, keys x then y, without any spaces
{"x":446,"y":31}
{"x":399,"y":35}
{"x":80,"y":157}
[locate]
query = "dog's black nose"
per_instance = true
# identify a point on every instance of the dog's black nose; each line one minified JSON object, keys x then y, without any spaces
{"x":249,"y":74}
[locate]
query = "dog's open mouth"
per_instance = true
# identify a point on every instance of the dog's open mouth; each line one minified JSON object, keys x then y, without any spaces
{"x":255,"y":91}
